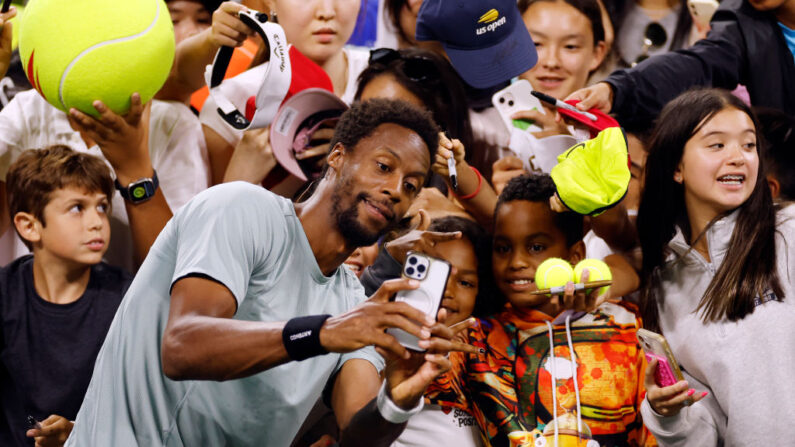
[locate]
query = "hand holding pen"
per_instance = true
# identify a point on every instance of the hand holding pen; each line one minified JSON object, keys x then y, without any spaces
{"x":562,"y":105}
{"x":51,"y":431}
{"x":449,"y":157}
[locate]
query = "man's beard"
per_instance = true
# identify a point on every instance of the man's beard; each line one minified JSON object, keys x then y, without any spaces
{"x":354,"y":233}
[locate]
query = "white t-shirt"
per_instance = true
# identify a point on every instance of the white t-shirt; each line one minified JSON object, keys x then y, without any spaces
{"x":241,"y":87}
{"x":252,"y":242}
{"x":435,"y":426}
{"x":176,"y":147}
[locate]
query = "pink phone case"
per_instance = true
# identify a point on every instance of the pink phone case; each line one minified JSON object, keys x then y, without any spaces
{"x":664,"y":375}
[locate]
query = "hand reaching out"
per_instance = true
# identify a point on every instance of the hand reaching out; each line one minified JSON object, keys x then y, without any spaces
{"x":53,"y":431}
{"x":227,"y":28}
{"x":550,"y":123}
{"x":407,"y":378}
{"x":417,"y":240}
{"x":6,"y":36}
{"x":504,"y":170}
{"x":580,"y":300}
{"x":124,"y":140}
{"x":448,"y":148}
{"x":599,"y":95}
{"x":252,"y":159}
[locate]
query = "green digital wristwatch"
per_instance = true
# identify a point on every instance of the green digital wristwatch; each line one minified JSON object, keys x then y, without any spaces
{"x":140,"y":190}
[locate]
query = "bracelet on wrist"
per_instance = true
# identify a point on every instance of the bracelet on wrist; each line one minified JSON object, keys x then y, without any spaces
{"x":301,"y":337}
{"x":477,"y":191}
{"x":391,"y":412}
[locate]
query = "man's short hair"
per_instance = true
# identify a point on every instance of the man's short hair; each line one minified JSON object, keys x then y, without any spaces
{"x":361,"y":120}
{"x":38,"y":173}
{"x":539,"y":188}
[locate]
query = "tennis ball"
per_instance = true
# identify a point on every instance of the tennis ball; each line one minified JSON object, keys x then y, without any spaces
{"x":77,"y":51}
{"x":553,"y":272}
{"x":597,"y":271}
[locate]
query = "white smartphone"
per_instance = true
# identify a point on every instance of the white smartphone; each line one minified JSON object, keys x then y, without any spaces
{"x":702,"y":11}
{"x":432,"y":273}
{"x":514,"y":98}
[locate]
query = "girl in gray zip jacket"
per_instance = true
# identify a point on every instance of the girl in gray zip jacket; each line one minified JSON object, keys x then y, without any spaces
{"x":718,"y":279}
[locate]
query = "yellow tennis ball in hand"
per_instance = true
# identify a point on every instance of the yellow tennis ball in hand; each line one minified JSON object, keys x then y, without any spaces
{"x":77,"y":51}
{"x":553,"y":272}
{"x":597,"y":271}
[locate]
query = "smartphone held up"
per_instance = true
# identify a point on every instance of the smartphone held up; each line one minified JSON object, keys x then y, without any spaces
{"x":432,"y":274}
{"x":656,"y":347}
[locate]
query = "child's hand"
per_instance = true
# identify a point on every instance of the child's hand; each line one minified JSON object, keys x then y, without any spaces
{"x":124,"y":140}
{"x":550,"y":123}
{"x":448,"y":148}
{"x":253,"y":157}
{"x":417,"y":240}
{"x":504,"y":170}
{"x":557,"y":205}
{"x":669,"y":400}
{"x":53,"y":432}
{"x":599,"y":95}
{"x":579,"y":300}
{"x":322,"y":135}
{"x":6,"y":36}
{"x":227,"y":28}
{"x":407,"y":379}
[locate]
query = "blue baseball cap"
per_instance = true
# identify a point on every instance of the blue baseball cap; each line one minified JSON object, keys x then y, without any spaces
{"x":486,"y":40}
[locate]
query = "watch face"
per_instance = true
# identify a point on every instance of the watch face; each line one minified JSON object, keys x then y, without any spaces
{"x":141,"y":191}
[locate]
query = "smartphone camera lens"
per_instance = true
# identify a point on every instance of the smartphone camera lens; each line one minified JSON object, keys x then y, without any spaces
{"x":510,"y":103}
{"x":421,"y":268}
{"x":412,"y":260}
{"x":410,"y":271}
{"x":502,"y":100}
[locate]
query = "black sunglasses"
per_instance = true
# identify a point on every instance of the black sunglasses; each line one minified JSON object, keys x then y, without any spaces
{"x":653,"y":37}
{"x":416,"y":68}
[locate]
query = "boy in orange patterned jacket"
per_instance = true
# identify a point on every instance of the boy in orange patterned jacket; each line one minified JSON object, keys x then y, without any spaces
{"x":598,"y":387}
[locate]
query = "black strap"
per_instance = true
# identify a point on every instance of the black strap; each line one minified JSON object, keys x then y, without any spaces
{"x":301,"y":337}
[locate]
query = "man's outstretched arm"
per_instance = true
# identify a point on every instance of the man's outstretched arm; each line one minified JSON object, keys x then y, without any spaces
{"x":202,"y":341}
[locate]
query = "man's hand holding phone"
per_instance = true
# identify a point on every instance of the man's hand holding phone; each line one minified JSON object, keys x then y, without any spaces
{"x":668,"y":400}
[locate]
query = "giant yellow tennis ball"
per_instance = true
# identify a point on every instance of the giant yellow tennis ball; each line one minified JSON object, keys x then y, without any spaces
{"x":78,"y":51}
{"x":553,"y":272}
{"x":597,"y":271}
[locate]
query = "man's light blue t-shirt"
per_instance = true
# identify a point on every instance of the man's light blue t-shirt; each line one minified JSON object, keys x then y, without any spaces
{"x":251,"y":241}
{"x":789,"y":37}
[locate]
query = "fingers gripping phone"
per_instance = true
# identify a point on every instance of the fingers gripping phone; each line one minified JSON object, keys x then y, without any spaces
{"x":655,"y":346}
{"x":515,"y":98}
{"x":702,"y":11}
{"x":432,"y":274}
